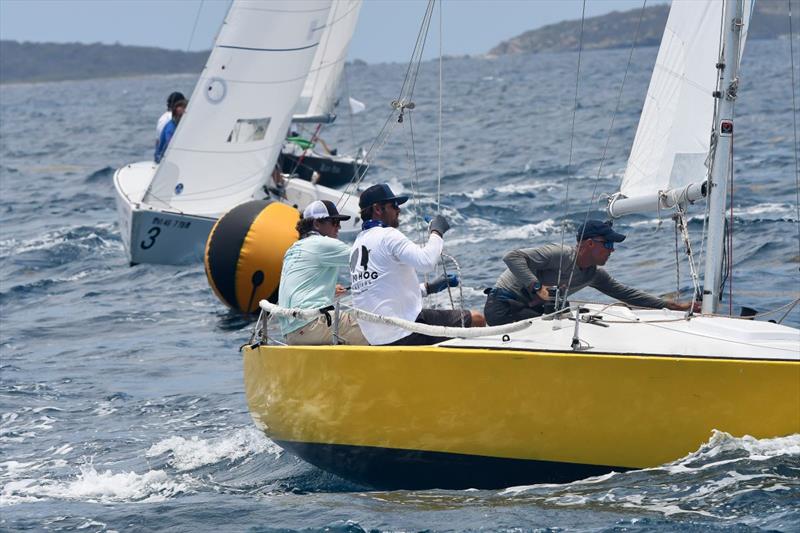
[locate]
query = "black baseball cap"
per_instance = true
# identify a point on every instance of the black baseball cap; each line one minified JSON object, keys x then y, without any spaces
{"x":173,"y":98}
{"x":598,"y":228}
{"x":378,"y":194}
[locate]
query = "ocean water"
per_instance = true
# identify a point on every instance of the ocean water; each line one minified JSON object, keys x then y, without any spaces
{"x":121,"y":388}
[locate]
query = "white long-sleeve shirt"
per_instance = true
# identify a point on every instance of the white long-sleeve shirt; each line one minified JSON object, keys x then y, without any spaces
{"x":383,"y":269}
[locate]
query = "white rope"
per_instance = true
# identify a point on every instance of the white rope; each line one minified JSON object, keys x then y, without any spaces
{"x":415,"y":327}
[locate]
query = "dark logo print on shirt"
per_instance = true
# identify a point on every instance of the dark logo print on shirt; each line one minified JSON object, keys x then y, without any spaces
{"x":360,"y":258}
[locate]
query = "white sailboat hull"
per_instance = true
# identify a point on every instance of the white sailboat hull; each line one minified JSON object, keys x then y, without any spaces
{"x":152,"y":235}
{"x":168,"y":237}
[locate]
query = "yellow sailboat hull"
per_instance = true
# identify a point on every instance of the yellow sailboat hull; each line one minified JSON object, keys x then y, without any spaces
{"x":460,"y":417}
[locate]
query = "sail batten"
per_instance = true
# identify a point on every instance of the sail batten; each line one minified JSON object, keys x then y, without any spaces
{"x":228,"y":141}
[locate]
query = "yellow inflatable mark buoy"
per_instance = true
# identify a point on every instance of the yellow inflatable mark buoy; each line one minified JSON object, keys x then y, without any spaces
{"x":244,"y":252}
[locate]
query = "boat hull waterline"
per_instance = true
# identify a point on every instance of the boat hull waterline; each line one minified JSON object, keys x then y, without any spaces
{"x":425,"y":417}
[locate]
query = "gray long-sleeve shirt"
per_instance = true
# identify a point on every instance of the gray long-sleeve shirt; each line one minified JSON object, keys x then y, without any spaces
{"x":528,"y":265}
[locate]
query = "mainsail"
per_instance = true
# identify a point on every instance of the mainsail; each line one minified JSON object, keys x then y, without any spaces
{"x":319,"y":92}
{"x":228,"y":141}
{"x":673,"y":138}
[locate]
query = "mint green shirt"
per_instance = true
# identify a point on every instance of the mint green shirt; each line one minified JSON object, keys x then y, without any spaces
{"x":309,"y":274}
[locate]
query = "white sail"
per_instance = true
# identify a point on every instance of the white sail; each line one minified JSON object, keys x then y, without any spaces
{"x":228,"y":140}
{"x":319,"y":92}
{"x":672,"y":141}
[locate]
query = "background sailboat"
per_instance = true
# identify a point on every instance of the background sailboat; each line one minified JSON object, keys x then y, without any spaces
{"x":318,"y":101}
{"x":226,"y":146}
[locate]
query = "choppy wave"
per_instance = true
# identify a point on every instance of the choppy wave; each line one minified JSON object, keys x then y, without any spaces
{"x":64,"y":244}
{"x":728,"y":479}
{"x":480,"y":230}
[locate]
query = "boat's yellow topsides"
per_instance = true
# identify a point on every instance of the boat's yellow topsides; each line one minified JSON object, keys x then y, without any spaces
{"x":591,"y":409}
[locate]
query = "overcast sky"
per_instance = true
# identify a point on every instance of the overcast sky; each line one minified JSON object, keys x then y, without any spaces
{"x":386,"y":29}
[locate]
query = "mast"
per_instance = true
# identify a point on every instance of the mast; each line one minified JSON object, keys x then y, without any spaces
{"x":728,"y":72}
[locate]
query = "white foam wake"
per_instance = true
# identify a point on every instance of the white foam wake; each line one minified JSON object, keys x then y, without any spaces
{"x":93,"y":486}
{"x":724,"y":443}
{"x":194,"y":452}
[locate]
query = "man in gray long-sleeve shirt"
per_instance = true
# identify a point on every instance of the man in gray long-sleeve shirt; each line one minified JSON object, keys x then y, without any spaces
{"x":521,"y":291}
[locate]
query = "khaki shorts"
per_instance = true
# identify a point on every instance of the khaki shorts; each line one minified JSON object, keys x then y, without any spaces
{"x":318,"y":332}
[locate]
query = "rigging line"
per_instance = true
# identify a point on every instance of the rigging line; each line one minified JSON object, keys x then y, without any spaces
{"x":421,"y":36}
{"x":619,"y":100}
{"x":460,"y":286}
{"x":610,"y":128}
{"x":791,"y":306}
{"x":427,"y":25}
{"x":677,"y":260}
{"x":730,"y":229}
{"x":441,"y":88}
{"x":380,"y":140}
{"x":194,"y":27}
{"x":411,"y":159}
{"x":794,"y":124}
{"x":569,"y":161}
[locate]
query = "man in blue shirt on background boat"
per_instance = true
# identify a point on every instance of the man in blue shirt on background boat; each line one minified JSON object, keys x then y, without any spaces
{"x":521,"y":291}
{"x":178,"y":109}
{"x":308,"y":278}
{"x":167,"y":116}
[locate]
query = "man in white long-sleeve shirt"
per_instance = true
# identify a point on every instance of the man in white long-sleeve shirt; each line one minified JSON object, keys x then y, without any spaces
{"x":383,"y":268}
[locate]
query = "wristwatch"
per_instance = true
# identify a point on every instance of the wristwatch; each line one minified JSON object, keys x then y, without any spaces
{"x":537,"y":285}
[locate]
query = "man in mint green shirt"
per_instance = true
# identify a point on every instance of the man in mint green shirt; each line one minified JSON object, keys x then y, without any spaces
{"x":308,"y":277}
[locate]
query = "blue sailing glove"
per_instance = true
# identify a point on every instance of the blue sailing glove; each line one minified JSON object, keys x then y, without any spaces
{"x":441,"y":283}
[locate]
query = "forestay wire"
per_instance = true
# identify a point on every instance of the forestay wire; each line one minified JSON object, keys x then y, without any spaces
{"x":194,"y":27}
{"x":608,"y":137}
{"x":794,"y":124}
{"x":399,"y":106}
{"x":571,"y":144}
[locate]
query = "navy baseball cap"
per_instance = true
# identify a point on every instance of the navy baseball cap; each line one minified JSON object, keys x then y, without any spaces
{"x":378,"y":194}
{"x":598,"y":228}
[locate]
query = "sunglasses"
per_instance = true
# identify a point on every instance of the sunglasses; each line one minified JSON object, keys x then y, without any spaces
{"x":608,"y":245}
{"x":394,"y":204}
{"x":334,"y":221}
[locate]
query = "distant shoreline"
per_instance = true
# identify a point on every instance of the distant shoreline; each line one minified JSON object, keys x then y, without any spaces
{"x":28,"y":62}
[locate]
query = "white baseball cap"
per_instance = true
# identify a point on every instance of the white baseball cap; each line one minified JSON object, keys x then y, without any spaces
{"x":319,"y":209}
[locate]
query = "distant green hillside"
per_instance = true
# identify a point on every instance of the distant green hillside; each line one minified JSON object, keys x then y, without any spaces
{"x":26,"y":62}
{"x":52,"y":62}
{"x":616,"y":29}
